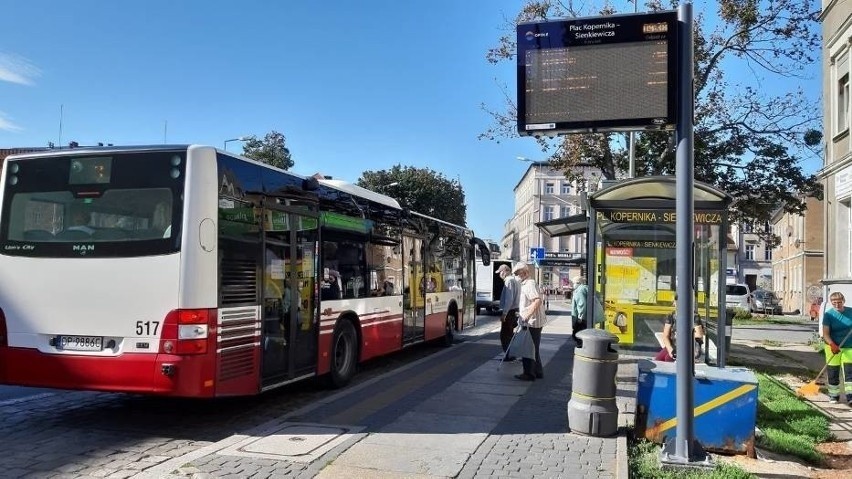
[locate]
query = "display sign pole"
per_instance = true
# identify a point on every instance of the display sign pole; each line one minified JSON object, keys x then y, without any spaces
{"x":683,"y":448}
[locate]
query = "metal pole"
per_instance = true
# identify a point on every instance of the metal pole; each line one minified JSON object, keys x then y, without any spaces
{"x":632,"y":157}
{"x":722,"y":274}
{"x":591,"y":268}
{"x":685,"y":448}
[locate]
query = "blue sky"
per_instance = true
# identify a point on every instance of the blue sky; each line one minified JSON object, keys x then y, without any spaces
{"x":354,"y":85}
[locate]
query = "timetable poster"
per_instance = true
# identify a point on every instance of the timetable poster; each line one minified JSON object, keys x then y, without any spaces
{"x":629,"y":279}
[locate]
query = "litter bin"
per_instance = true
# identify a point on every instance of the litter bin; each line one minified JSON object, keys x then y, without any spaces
{"x":592,"y":410}
{"x":712,"y":343}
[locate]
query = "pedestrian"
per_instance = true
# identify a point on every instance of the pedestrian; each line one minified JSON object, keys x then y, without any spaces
{"x":530,"y":316}
{"x":669,"y":338}
{"x":509,"y":301}
{"x":836,"y":327}
{"x":578,"y":306}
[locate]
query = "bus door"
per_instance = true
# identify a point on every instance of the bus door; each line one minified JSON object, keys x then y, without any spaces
{"x":289,"y":272}
{"x":414,"y":290}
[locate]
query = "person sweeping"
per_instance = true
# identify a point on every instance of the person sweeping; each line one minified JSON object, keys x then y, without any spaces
{"x":836,"y":329}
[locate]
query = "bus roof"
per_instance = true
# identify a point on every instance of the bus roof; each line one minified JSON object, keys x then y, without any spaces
{"x":97,"y":149}
{"x":356,"y":190}
{"x":339,"y":185}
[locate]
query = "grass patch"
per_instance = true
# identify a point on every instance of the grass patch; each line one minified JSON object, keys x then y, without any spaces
{"x":789,"y":425}
{"x":753,"y":320}
{"x":644,"y":462}
{"x":771,"y":343}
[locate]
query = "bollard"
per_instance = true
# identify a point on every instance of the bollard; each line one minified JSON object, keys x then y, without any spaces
{"x":592,"y":410}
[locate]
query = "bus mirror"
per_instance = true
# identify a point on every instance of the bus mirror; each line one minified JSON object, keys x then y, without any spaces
{"x":484,"y":250}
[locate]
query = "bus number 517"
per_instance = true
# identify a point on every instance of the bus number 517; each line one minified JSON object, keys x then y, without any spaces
{"x":147,"y":328}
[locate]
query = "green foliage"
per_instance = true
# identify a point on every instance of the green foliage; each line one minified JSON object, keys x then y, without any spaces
{"x":748,"y":142}
{"x":420,"y":189}
{"x":789,"y":425}
{"x":644,"y":462}
{"x":741,"y":314}
{"x":272,"y":150}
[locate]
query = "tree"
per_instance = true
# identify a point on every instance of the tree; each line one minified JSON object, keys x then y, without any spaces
{"x":420,"y":189}
{"x":271,"y":150}
{"x":747,"y":142}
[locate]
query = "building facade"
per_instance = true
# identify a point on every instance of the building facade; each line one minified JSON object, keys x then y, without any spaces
{"x":543,"y":194}
{"x":752,"y":260}
{"x":797,"y":262}
{"x":836,"y":19}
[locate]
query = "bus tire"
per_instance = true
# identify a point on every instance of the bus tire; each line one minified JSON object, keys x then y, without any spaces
{"x":344,"y":354}
{"x":449,"y":331}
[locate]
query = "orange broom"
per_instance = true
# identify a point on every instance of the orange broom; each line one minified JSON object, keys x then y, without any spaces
{"x":812,"y":387}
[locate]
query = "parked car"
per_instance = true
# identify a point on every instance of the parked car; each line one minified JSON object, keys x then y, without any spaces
{"x":765,"y":302}
{"x":738,"y":296}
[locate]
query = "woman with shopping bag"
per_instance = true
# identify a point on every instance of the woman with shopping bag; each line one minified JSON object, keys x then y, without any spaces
{"x":531,"y":320}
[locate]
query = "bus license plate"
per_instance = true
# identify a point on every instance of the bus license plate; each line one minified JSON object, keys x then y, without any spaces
{"x":80,"y":343}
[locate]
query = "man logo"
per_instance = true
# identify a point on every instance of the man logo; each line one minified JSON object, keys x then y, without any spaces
{"x":82,"y":248}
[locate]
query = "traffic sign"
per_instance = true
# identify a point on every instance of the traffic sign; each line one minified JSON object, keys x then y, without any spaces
{"x":536,"y":254}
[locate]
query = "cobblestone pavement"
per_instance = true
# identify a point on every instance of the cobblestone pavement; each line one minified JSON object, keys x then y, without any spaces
{"x":86,"y":434}
{"x":457,"y":413}
{"x":427,"y":412}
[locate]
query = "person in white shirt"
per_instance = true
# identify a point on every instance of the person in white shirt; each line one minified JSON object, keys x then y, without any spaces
{"x":530,"y":315}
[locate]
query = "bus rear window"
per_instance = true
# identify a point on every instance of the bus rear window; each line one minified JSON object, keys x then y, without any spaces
{"x":118,"y":206}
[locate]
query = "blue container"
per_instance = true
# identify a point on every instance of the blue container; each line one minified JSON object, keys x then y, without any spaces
{"x":725,"y":406}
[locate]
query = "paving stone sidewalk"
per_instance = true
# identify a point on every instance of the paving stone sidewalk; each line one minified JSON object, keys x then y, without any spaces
{"x":457,"y":413}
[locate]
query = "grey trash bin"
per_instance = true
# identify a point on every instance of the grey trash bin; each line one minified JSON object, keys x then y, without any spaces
{"x":592,"y":410}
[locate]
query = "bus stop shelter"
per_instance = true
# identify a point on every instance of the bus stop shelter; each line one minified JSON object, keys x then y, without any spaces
{"x":631,"y":256}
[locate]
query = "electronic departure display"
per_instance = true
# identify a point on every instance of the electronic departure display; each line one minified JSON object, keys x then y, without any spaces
{"x":612,"y":73}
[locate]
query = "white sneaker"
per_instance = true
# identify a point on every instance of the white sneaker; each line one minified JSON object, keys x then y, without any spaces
{"x":833,"y":400}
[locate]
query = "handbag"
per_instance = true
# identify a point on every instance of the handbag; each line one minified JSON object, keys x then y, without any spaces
{"x":522,"y":344}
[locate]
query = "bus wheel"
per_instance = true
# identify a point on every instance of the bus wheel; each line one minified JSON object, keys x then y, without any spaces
{"x":344,"y":354}
{"x":448,"y":333}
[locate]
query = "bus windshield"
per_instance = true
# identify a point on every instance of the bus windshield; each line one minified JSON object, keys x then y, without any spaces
{"x":93,"y":205}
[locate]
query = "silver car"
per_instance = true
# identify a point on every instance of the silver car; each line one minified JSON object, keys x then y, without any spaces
{"x":765,"y":302}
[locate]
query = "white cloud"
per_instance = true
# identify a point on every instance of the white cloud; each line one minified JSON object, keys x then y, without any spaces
{"x":17,"y":69}
{"x":6,"y":125}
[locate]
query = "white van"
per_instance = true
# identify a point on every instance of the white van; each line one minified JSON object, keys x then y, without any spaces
{"x":738,"y":296}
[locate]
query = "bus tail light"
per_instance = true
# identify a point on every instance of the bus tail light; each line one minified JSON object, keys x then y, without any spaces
{"x":187,"y":331}
{"x":4,"y":341}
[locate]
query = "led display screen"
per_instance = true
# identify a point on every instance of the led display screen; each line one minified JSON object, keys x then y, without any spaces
{"x":597,"y":74}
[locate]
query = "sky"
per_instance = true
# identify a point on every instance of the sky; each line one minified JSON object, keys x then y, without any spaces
{"x":353,"y":85}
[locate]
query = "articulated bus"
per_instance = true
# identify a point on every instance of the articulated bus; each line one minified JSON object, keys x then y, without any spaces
{"x":187,"y":271}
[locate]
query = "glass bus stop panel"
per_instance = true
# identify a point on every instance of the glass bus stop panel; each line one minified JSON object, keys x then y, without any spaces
{"x":636,"y":281}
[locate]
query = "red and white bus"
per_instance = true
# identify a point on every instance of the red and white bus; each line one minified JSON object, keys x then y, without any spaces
{"x":187,"y":271}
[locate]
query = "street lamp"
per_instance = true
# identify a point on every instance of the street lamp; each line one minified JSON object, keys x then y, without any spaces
{"x":242,"y":138}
